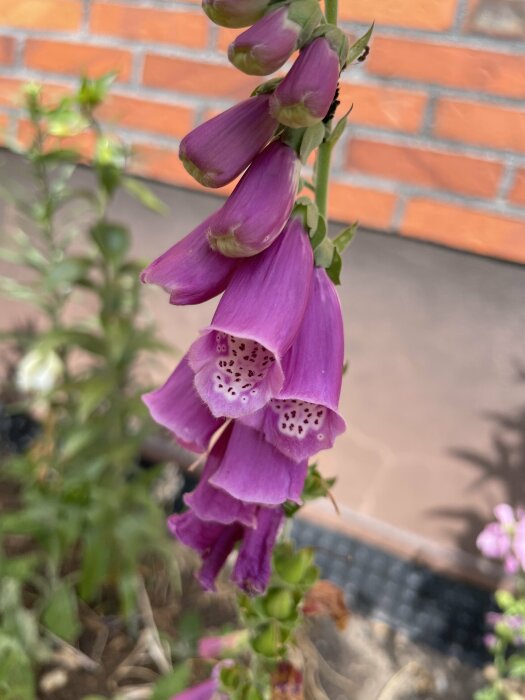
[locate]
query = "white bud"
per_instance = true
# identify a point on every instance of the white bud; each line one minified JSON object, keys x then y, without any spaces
{"x":39,"y":371}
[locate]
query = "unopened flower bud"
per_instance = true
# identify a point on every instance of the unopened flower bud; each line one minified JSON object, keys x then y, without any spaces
{"x":304,"y":97}
{"x":39,"y":371}
{"x":217,"y":151}
{"x":234,"y":13}
{"x":279,"y":603}
{"x":258,"y":208}
{"x":267,"y":45}
{"x":267,"y":639}
{"x":293,"y":566}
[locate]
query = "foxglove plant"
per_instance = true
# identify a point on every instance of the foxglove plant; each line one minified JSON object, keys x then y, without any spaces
{"x":259,"y":390}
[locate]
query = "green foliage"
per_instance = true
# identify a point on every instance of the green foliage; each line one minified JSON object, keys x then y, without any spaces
{"x":85,"y":508}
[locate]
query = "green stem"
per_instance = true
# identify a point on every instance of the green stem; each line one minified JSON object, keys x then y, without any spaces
{"x":324,"y":154}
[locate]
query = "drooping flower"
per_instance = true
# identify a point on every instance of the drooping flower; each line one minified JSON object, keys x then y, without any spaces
{"x":304,"y":97}
{"x":302,"y":418}
{"x":215,"y":542}
{"x":190,"y":270}
{"x":177,"y":406}
{"x":269,"y":43}
{"x":258,"y":208}
{"x":253,"y":471}
{"x":217,"y":151}
{"x":234,"y":13}
{"x":237,"y":360}
{"x":217,"y":505}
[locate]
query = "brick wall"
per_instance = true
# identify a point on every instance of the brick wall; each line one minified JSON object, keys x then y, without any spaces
{"x":436,"y":148}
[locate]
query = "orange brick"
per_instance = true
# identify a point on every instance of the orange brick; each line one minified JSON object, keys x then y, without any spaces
{"x":150,"y":24}
{"x":4,"y":122}
{"x":398,"y":110}
{"x":517,"y":195}
{"x":41,"y":14}
{"x":225,"y":37}
{"x":423,"y":14}
{"x":7,"y":50}
{"x":147,"y":115}
{"x":163,"y":164}
{"x":453,"y":66}
{"x":481,"y":124}
{"x":440,"y":170}
{"x":62,"y":57}
{"x":468,"y":229}
{"x":197,"y":78}
{"x":370,"y":207}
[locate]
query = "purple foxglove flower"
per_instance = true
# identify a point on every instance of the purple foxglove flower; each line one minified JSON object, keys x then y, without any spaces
{"x":304,"y":96}
{"x":209,"y":690}
{"x":234,"y":13}
{"x":258,"y":208}
{"x":493,"y":542}
{"x":253,"y":471}
{"x":302,"y":418}
{"x":190,"y":270}
{"x":225,"y":644}
{"x":252,"y":569}
{"x":210,"y":503}
{"x":213,"y":541}
{"x":269,"y":43}
{"x":220,"y":149}
{"x":237,"y":359}
{"x":177,"y":406}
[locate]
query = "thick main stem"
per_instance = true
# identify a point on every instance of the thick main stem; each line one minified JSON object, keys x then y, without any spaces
{"x":324,"y":154}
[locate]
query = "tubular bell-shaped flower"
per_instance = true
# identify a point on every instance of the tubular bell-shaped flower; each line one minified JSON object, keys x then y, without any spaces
{"x":220,"y":149}
{"x":208,"y":690}
{"x":304,"y":96}
{"x":237,"y":359}
{"x":215,"y":542}
{"x":253,"y":471}
{"x":234,"y":13}
{"x":269,"y":43}
{"x":302,"y":418}
{"x":258,"y":208}
{"x":190,"y":270}
{"x":210,"y":503}
{"x":177,"y":406}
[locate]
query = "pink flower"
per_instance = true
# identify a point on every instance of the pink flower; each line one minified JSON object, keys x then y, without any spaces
{"x":505,"y":538}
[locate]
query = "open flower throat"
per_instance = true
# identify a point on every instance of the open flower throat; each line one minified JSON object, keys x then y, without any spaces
{"x":298,"y":418}
{"x":241,"y":367}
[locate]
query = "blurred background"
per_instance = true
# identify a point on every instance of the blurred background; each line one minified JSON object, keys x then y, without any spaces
{"x":432,"y":167}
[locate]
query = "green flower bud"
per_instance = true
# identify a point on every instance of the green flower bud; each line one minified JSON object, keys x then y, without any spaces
{"x":292,"y":566}
{"x":279,"y":603}
{"x":267,"y":639}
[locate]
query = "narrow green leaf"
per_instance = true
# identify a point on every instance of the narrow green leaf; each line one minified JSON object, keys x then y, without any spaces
{"x":343,"y":239}
{"x":61,"y":615}
{"x":360,"y":45}
{"x":144,"y":195}
{"x":339,"y":128}
{"x":334,"y":271}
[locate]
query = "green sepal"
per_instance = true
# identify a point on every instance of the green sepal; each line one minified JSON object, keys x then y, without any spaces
{"x":313,"y":137}
{"x":93,"y":92}
{"x":334,"y":271}
{"x":267,"y":87}
{"x":318,"y":234}
{"x":306,"y":209}
{"x":337,"y":40}
{"x":339,"y":128}
{"x":324,"y":253}
{"x":360,"y":45}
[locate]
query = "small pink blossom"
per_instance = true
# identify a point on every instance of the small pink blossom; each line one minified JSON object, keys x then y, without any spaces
{"x":505,"y":538}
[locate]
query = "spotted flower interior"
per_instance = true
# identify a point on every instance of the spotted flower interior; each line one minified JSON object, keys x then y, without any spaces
{"x":299,"y":418}
{"x":241,"y":366}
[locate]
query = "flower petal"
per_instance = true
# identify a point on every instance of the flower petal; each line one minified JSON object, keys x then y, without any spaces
{"x":178,"y":407}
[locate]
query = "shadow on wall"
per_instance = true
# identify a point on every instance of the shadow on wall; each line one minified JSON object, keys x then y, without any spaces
{"x":504,"y":465}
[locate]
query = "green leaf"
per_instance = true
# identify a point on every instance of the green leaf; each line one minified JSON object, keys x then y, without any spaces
{"x":488,"y":694}
{"x":334,"y":271}
{"x":16,"y":676}
{"x":318,"y":235}
{"x":312,"y":138}
{"x":343,"y":239}
{"x":267,"y":87}
{"x":60,"y":614}
{"x":96,"y":562}
{"x":112,"y":239}
{"x":516,"y":665}
{"x":93,"y":92}
{"x":324,"y":253}
{"x":66,"y":272}
{"x":339,"y":128}
{"x":92,"y":393}
{"x":176,"y":681}
{"x":144,"y":195}
{"x":360,"y":45}
{"x":66,"y":122}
